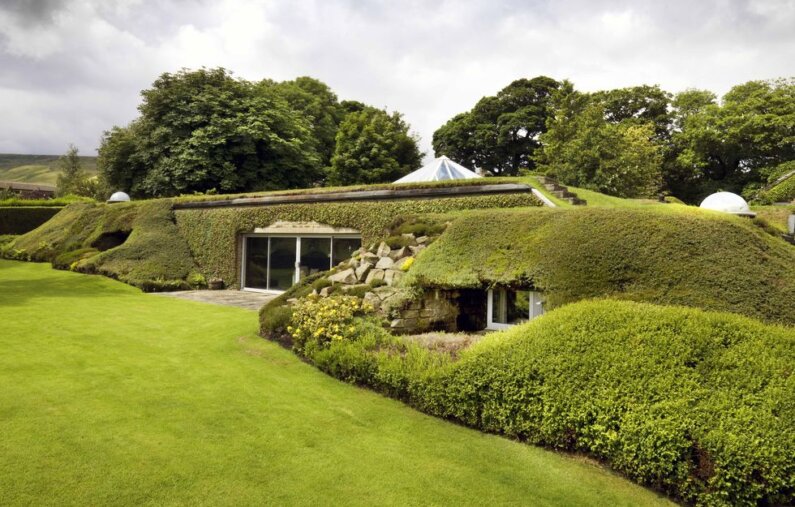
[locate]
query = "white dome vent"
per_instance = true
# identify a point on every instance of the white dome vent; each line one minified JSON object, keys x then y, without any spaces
{"x":727,"y":202}
{"x":119,"y":197}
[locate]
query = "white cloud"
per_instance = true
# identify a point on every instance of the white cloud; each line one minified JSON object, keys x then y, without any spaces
{"x":75,"y":68}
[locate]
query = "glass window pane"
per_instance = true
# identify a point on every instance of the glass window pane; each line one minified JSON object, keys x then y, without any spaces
{"x":256,"y":263}
{"x":315,"y":255}
{"x":518,"y":306}
{"x":536,"y":306}
{"x":344,"y":248}
{"x":282,"y":265}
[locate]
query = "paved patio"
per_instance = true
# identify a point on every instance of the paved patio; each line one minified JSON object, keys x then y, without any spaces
{"x":239,"y":298}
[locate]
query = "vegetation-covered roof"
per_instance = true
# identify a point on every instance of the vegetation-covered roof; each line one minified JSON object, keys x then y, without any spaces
{"x":664,"y":254}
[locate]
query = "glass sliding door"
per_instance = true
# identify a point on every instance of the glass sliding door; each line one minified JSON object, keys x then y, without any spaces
{"x":256,"y":263}
{"x":282,"y":263}
{"x":344,"y":248}
{"x":277,"y":262}
{"x":315,"y":256}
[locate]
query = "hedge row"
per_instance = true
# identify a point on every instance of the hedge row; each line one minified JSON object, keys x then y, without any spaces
{"x":213,"y":233}
{"x":700,"y":405}
{"x":153,"y":257}
{"x":666,"y":255}
{"x":19,"y":220}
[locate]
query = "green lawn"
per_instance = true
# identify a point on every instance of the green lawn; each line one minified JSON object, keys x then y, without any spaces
{"x":111,"y":396}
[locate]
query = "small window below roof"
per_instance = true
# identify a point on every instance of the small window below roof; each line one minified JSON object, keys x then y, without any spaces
{"x":508,"y":307}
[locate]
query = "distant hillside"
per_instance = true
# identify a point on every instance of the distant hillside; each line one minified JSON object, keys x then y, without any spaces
{"x":36,"y":168}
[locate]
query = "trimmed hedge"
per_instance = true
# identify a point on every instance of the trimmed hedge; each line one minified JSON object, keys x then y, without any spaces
{"x":700,"y":405}
{"x":153,"y":257}
{"x":19,"y":219}
{"x":665,"y":255}
{"x":213,"y":233}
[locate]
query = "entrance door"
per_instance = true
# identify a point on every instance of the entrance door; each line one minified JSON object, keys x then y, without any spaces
{"x":256,"y":263}
{"x":282,"y":267}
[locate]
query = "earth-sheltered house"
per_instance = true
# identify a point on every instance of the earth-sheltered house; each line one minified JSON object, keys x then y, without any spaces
{"x":463,"y":254}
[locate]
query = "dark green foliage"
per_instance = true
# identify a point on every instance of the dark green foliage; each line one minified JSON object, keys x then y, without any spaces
{"x":373,"y":146}
{"x":666,"y":255}
{"x":604,"y":142}
{"x":213,"y":233}
{"x":19,"y":220}
{"x":734,"y":144}
{"x":154,"y":256}
{"x":697,"y":404}
{"x":203,"y":129}
{"x":500,"y":134}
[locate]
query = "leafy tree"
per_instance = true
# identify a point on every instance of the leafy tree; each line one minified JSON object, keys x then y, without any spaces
{"x":736,"y":144}
{"x":315,"y":101}
{"x":643,"y":104}
{"x":73,"y":179}
{"x":501,"y":133}
{"x":582,"y":148}
{"x":373,"y":146}
{"x":202,"y":130}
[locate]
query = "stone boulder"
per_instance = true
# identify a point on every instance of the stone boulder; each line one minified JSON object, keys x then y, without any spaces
{"x":384,"y":263}
{"x":383,"y":250}
{"x":362,"y":271}
{"x":375,"y":274}
{"x":346,"y":276}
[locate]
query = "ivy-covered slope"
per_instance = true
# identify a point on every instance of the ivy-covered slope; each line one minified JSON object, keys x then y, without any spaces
{"x":212,"y":233}
{"x":677,"y":256}
{"x":137,"y":243}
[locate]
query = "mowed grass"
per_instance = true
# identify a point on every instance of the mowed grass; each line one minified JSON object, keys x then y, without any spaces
{"x":112,"y":396}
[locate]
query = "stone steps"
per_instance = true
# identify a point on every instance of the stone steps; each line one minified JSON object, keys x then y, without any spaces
{"x":560,"y":191}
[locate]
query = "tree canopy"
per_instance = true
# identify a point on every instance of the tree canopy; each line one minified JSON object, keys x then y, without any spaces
{"x":601,"y":144}
{"x":373,"y":146}
{"x":501,"y":133}
{"x":205,"y":130}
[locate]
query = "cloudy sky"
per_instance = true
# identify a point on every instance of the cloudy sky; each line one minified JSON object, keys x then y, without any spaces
{"x":71,"y":69}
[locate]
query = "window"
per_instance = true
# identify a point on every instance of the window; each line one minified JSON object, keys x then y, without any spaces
{"x":275,"y":262}
{"x":506,"y":307}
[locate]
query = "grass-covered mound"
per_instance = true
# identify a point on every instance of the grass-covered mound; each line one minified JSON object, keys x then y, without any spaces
{"x":137,"y":243}
{"x":665,"y":255}
{"x":213,"y":234}
{"x":698,"y":404}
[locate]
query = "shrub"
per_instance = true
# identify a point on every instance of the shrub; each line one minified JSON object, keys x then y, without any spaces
{"x":697,"y":404}
{"x":154,"y":256}
{"x":317,"y":321}
{"x":19,"y":219}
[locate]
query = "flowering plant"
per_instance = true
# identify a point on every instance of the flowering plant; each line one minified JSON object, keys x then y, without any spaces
{"x":322,"y":320}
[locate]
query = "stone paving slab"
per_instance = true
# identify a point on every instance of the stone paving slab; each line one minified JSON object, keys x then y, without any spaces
{"x":238,"y":298}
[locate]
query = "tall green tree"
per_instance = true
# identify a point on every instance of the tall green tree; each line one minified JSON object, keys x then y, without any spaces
{"x":373,"y":146}
{"x":73,"y":179}
{"x":736,"y":144}
{"x":501,"y":133}
{"x":203,"y":129}
{"x":315,"y":101}
{"x":583,"y":148}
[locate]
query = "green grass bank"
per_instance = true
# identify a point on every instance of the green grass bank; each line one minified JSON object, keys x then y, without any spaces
{"x":114,"y":397}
